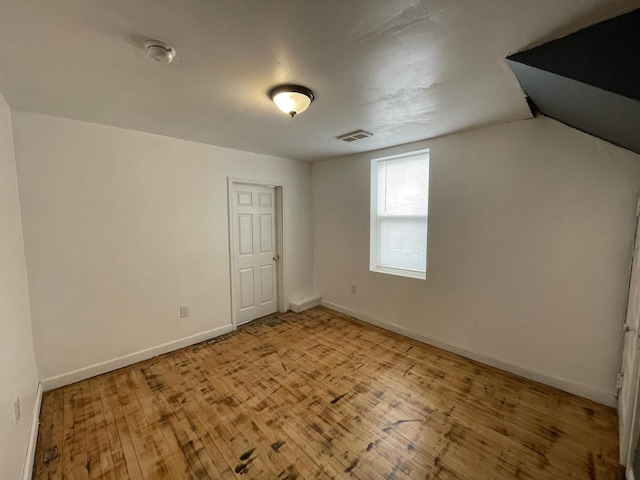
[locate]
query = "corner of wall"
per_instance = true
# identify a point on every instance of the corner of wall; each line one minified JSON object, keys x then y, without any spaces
{"x":18,"y":371}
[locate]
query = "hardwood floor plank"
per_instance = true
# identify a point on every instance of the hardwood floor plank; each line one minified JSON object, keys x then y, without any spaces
{"x":99,"y":436}
{"x":74,"y":460}
{"x":232,"y":442}
{"x":179,"y":457}
{"x":238,"y":385}
{"x":93,"y":465}
{"x":188,"y":436}
{"x":149,"y":456}
{"x":125,"y":439}
{"x":109,"y":431}
{"x":312,"y":405}
{"x":321,"y":414}
{"x":320,"y":395}
{"x":301,"y":385}
{"x":319,"y":406}
{"x":238,"y":413}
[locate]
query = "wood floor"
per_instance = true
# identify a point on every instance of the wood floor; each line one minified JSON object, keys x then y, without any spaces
{"x":319,"y":395}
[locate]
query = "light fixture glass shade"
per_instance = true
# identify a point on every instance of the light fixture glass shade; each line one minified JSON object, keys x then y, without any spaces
{"x":292,"y":102}
{"x":292,"y":99}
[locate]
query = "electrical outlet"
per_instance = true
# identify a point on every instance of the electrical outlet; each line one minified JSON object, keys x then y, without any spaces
{"x":16,"y":409}
{"x":184,"y":311}
{"x":353,"y":288}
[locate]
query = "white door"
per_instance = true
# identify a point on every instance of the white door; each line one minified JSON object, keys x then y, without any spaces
{"x":627,"y":400}
{"x":254,"y":251}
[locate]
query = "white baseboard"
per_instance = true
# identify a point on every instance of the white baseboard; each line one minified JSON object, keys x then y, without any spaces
{"x":33,"y":436}
{"x":563,"y":384}
{"x":130,"y":359}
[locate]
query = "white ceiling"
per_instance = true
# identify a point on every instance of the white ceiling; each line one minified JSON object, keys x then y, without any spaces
{"x":404,"y":70}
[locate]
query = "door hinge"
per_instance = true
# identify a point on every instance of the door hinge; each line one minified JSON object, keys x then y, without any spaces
{"x":619,"y":381}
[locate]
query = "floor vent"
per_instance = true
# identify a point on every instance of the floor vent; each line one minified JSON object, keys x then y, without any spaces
{"x":305,"y":303}
{"x":353,"y":136}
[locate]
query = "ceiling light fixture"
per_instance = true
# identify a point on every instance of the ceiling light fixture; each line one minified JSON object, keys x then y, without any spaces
{"x":292,"y":99}
{"x":160,"y":51}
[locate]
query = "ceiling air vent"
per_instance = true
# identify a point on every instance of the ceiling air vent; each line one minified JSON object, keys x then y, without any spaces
{"x":353,"y":136}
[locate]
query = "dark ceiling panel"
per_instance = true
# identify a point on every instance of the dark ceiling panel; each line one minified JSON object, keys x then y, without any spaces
{"x":605,"y":55}
{"x":604,"y":114}
{"x":589,"y":80}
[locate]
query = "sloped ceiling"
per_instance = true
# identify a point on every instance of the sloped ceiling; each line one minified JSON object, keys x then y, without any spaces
{"x":589,"y":80}
{"x":404,"y":70}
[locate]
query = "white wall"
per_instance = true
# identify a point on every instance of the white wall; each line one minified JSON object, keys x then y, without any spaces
{"x":530,"y":234}
{"x":18,"y":376}
{"x":123,"y":227}
{"x":530,"y":237}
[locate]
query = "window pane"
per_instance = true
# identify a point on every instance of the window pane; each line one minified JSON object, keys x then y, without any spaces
{"x":402,"y":242}
{"x":404,"y":186}
{"x":399,"y":208}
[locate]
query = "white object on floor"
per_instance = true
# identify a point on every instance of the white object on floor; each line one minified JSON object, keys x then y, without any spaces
{"x":304,"y":303}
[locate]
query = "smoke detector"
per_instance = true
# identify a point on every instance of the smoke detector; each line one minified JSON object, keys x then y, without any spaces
{"x":160,"y":51}
{"x":353,"y":136}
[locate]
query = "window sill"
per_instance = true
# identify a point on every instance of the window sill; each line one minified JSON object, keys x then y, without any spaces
{"x":399,"y":272}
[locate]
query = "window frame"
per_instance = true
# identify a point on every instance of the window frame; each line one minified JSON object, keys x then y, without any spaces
{"x":374,"y":264}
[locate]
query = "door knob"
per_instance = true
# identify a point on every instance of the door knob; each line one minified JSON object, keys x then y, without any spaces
{"x":627,"y":328}
{"x":276,"y":257}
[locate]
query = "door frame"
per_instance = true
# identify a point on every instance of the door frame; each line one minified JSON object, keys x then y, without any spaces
{"x":279,"y":234}
{"x":633,"y":440}
{"x":630,"y":442}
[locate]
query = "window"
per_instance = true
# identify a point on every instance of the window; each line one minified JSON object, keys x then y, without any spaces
{"x":399,"y":208}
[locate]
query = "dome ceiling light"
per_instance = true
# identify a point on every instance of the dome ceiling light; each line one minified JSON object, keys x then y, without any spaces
{"x":160,"y":51}
{"x":292,"y":99}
